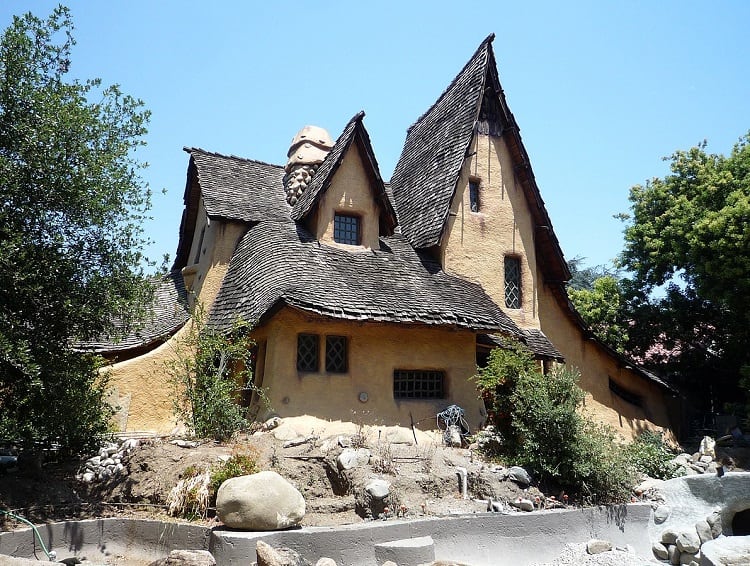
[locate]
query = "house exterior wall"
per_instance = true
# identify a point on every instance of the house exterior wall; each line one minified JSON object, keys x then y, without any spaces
{"x":374,"y":351}
{"x":475,"y":244}
{"x":597,"y":367}
{"x":349,"y":193}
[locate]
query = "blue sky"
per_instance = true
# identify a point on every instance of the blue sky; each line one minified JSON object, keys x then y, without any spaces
{"x":601,"y":90}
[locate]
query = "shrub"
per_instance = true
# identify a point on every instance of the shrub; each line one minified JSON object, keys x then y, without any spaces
{"x":649,"y":454}
{"x":237,"y":465}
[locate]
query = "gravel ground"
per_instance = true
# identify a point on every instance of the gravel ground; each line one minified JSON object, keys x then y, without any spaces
{"x":576,"y":555}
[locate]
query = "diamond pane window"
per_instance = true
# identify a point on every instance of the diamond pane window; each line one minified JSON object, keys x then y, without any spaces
{"x":336,"y":360}
{"x":418,"y":384}
{"x":474,"y":195}
{"x":512,"y":282}
{"x":307,"y":352}
{"x":346,"y":229}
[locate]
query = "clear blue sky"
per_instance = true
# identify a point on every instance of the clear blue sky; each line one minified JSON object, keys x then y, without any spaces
{"x":601,"y":90}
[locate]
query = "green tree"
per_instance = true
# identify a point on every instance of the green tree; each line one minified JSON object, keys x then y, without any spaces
{"x":601,"y":306}
{"x":71,"y":208}
{"x":690,"y":234}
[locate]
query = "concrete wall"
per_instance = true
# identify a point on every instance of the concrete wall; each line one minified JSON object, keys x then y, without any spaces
{"x":475,"y":243}
{"x":375,"y":350}
{"x":480,"y":540}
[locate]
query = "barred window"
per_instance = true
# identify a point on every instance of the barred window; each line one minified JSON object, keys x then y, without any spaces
{"x":474,"y":195}
{"x":336,"y":358}
{"x":418,"y":384}
{"x":512,"y":282}
{"x":346,"y":229}
{"x":307,"y":352}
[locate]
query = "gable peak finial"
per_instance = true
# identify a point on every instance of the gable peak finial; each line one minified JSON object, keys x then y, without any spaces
{"x":307,"y":151}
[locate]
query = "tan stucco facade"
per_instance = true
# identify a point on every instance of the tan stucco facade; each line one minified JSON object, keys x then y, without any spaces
{"x":375,"y":350}
{"x":475,"y":244}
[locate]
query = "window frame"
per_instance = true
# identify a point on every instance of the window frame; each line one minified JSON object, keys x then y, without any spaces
{"x":316,"y":351}
{"x":331,"y":339}
{"x":509,"y":301}
{"x":420,"y":389}
{"x":475,"y":199}
{"x":339,"y":231}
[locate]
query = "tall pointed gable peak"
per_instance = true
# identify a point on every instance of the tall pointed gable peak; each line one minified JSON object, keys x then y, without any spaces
{"x":354,"y":132}
{"x":426,"y":175}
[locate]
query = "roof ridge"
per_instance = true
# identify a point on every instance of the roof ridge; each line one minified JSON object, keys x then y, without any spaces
{"x":189,"y":149}
{"x":487,"y":41}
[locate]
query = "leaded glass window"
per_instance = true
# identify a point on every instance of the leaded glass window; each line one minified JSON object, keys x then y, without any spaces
{"x":418,"y":384}
{"x":346,"y":229}
{"x":307,"y":352}
{"x":336,"y":359}
{"x":512,"y":282}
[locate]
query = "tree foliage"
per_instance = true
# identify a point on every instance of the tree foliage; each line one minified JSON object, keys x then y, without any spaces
{"x":601,"y":306}
{"x":689,"y":233}
{"x":71,"y":208}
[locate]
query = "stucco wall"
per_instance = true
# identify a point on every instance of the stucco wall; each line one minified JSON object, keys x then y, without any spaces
{"x":596,"y":368}
{"x":349,"y":193}
{"x":475,"y":243}
{"x":375,"y":350}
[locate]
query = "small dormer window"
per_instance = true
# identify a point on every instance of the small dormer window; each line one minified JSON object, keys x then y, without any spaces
{"x":474,"y":195}
{"x":346,"y":229}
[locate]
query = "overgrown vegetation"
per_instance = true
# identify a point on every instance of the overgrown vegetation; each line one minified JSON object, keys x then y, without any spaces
{"x":196,"y":491}
{"x":542,"y":429}
{"x":211,"y":371}
{"x":72,"y":202}
{"x":650,"y":454}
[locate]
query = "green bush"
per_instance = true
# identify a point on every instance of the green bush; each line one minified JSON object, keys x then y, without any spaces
{"x":543,"y":430}
{"x":237,"y":465}
{"x":649,"y":454}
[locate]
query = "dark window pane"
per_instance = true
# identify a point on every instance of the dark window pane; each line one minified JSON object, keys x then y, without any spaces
{"x":336,"y":359}
{"x":474,"y":195}
{"x":307,"y":352}
{"x":346,"y":229}
{"x":512,"y":282}
{"x":418,"y":384}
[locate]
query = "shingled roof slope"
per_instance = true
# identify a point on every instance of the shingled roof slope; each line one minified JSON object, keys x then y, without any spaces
{"x":234,"y":188}
{"x":279,"y":263}
{"x":425,"y":177}
{"x":167,"y":314}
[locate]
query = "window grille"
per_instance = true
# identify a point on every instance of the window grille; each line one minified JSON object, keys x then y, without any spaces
{"x":307,"y":352}
{"x":474,"y":195}
{"x":418,"y":384}
{"x":346,"y":229}
{"x":512,"y":282}
{"x":336,"y":359}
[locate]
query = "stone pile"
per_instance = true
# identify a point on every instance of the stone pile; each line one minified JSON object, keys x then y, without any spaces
{"x":682,"y":546}
{"x":701,"y":462}
{"x":108,"y":462}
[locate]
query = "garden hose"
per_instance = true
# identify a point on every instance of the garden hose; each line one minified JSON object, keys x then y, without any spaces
{"x":51,"y":555}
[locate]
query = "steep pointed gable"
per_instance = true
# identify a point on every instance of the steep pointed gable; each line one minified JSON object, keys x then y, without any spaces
{"x":354,"y":133}
{"x":426,"y":174}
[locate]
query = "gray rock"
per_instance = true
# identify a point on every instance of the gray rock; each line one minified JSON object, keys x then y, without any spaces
{"x":726,"y":551}
{"x":326,"y":562}
{"x":452,"y":436}
{"x":706,"y":459}
{"x":351,"y":458}
{"x":714,"y":521}
{"x":270,"y":556}
{"x":378,"y":489}
{"x":669,"y":536}
{"x":661,"y":514}
{"x":688,"y":541}
{"x":682,"y":459}
{"x":688,"y":559}
{"x":704,"y":531}
{"x":259,"y":502}
{"x":660,"y":551}
{"x":597,"y":546}
{"x":186,"y":558}
{"x":519,"y":475}
{"x":674,"y":554}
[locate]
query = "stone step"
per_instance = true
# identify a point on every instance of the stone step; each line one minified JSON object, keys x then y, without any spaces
{"x":406,"y":552}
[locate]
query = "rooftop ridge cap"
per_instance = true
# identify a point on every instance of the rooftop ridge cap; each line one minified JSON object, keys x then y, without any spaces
{"x":189,"y":149}
{"x":484,"y":45}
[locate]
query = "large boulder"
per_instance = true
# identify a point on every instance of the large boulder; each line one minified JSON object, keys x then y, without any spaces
{"x":270,"y":556}
{"x":259,"y":502}
{"x":186,"y":558}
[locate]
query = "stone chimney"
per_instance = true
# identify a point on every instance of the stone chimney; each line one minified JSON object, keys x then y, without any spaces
{"x":308,"y":150}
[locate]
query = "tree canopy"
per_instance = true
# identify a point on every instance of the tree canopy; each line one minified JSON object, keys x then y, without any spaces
{"x":71,"y":208}
{"x":688,"y":237}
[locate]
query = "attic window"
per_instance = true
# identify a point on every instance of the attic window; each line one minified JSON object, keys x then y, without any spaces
{"x":474,"y":195}
{"x":512,"y":282}
{"x":346,"y":229}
